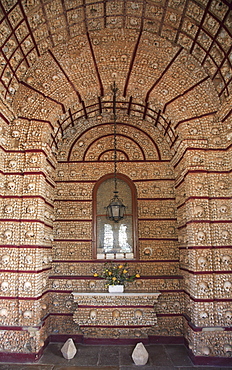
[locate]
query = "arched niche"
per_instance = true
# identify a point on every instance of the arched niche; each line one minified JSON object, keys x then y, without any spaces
{"x":114,"y":240}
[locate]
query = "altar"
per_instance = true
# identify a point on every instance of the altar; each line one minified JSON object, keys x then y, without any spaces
{"x":115,"y":315}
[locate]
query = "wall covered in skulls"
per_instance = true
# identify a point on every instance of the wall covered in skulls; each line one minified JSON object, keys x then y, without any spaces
{"x":171,"y":62}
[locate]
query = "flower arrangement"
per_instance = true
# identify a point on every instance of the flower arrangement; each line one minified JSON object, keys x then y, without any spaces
{"x":116,"y":274}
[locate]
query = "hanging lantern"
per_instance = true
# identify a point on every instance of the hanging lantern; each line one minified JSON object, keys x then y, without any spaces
{"x":115,"y":210}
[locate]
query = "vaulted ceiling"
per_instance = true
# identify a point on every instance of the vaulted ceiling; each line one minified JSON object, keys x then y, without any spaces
{"x":171,"y":60}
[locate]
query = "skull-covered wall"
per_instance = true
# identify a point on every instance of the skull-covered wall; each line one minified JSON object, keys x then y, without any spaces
{"x":171,"y":62}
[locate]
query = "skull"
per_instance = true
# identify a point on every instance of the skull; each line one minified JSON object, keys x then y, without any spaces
{"x":225,"y":234}
{"x":11,"y":185}
{"x":55,"y":303}
{"x":199,"y":211}
{"x":28,"y":260}
{"x":115,"y":314}
{"x":221,"y":185}
{"x":73,"y":173}
{"x":71,"y":269}
{"x":58,"y":251}
{"x":5,"y":259}
{"x":203,"y":315}
{"x":30,"y":186}
{"x":8,"y":209}
{"x":30,"y":209}
{"x":68,"y":304}
{"x":69,"y":284}
{"x":29,"y":234}
{"x":71,"y":251}
{"x":55,"y":284}
{"x":203,"y":287}
{"x":228,"y":315}
{"x":93,"y":315}
{"x":226,"y":260}
{"x":4,"y":286}
{"x":33,"y":159}
{"x":176,"y":305}
{"x":7,"y":234}
{"x":12,"y":164}
{"x":27,"y":314}
{"x":15,"y":134}
{"x":61,"y":173}
{"x":199,"y":186}
{"x":92,"y":284}
{"x":202,"y":261}
{"x":205,"y":350}
{"x":223,"y":208}
{"x":3,"y":312}
{"x":138,"y":314}
{"x":227,"y":348}
{"x":227,"y":286}
{"x":27,"y":286}
{"x":43,"y":306}
{"x":200,"y":236}
{"x":44,"y":282}
{"x":147,"y":251}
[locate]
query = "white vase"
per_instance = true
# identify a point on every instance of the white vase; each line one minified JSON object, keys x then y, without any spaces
{"x":116,"y":288}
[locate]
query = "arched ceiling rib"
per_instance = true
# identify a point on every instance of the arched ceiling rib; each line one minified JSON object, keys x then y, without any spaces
{"x":171,"y":59}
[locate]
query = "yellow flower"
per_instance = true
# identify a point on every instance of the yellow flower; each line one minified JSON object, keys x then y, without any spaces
{"x":120,"y":266}
{"x":95,"y":275}
{"x":137,"y":275}
{"x":109,"y":273}
{"x":124,"y":271}
{"x":114,"y":278}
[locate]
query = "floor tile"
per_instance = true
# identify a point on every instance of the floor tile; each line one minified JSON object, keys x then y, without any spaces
{"x":178,"y":355}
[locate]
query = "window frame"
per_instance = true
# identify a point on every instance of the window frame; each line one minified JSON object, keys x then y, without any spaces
{"x":133,"y":189}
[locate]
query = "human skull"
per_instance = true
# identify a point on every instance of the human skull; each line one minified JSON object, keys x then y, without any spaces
{"x":27,"y":314}
{"x":203,"y":315}
{"x":138,"y":314}
{"x":92,"y":284}
{"x":44,"y":282}
{"x":227,"y":348}
{"x":202,"y":262}
{"x":71,"y":251}
{"x":55,"y":284}
{"x":225,"y":234}
{"x":199,"y":211}
{"x":30,"y":209}
{"x":68,"y":304}
{"x":4,"y":286}
{"x":199,"y":186}
{"x":30,"y":186}
{"x":7,"y":234}
{"x":200,"y":236}
{"x":28,"y":259}
{"x":55,"y":303}
{"x":116,"y":314}
{"x":69,"y":284}
{"x":12,"y":164}
{"x":205,"y":350}
{"x":5,"y":259}
{"x":8,"y":209}
{"x":11,"y":185}
{"x":15,"y":134}
{"x":3,"y":312}
{"x":29,"y":234}
{"x":58,"y":251}
{"x":27,"y":286}
{"x":93,"y":315}
{"x":223,"y":208}
{"x":226,"y":260}
{"x":228,"y":315}
{"x":203,"y":287}
{"x":61,"y":173}
{"x":227,"y":286}
{"x":33,"y":159}
{"x":73,"y":173}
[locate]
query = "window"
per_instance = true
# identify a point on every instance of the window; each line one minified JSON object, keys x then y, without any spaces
{"x":114,"y":240}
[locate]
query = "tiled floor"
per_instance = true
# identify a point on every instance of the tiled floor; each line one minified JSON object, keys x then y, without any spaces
{"x":96,"y":357}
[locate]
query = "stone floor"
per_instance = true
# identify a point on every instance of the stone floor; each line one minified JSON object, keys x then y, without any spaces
{"x":96,"y":357}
